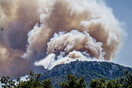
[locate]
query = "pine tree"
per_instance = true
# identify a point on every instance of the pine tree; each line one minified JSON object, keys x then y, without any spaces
{"x":73,"y":82}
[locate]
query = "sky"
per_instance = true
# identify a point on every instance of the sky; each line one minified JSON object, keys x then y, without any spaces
{"x":122,"y":9}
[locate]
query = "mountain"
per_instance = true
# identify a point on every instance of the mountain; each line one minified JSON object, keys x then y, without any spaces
{"x":88,"y":70}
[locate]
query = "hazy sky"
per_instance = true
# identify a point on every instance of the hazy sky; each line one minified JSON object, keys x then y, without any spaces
{"x":122,"y":10}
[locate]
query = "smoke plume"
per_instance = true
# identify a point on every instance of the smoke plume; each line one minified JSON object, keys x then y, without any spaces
{"x":47,"y":33}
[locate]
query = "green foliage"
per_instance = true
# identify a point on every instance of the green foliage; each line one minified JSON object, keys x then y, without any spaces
{"x":89,"y":70}
{"x":32,"y":82}
{"x":123,"y":82}
{"x":7,"y":82}
{"x":46,"y":83}
{"x":98,"y":83}
{"x":126,"y":80}
{"x":73,"y":82}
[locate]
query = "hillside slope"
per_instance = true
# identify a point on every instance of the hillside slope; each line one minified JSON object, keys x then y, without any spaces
{"x":89,"y":70}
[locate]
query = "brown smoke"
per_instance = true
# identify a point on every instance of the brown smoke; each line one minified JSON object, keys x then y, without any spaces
{"x":75,"y":40}
{"x":69,"y":15}
{"x":67,"y":28}
{"x":17,"y":18}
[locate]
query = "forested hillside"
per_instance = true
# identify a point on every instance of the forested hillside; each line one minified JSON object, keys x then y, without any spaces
{"x":89,"y":70}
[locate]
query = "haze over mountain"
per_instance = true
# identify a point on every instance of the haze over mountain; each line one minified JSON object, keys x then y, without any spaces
{"x":89,"y":70}
{"x":52,"y":32}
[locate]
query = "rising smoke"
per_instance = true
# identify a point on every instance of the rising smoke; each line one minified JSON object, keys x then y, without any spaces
{"x":51,"y":32}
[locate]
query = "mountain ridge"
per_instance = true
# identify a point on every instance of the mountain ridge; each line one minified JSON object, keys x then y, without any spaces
{"x":87,"y":69}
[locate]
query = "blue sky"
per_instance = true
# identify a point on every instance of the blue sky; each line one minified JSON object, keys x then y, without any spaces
{"x":122,"y":10}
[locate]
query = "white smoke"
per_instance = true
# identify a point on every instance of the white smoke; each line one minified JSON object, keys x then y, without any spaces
{"x":75,"y":40}
{"x":51,"y":32}
{"x":72,"y":30}
{"x":49,"y":62}
{"x":63,"y":46}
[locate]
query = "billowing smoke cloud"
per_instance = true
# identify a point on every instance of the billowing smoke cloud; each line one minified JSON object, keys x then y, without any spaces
{"x":16,"y":20}
{"x":75,"y":40}
{"x":96,"y":31}
{"x":47,"y":33}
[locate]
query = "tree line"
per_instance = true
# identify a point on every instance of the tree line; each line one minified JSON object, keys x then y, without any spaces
{"x":32,"y":81}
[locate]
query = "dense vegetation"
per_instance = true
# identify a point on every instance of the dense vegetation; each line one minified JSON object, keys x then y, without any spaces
{"x":32,"y":81}
{"x":89,"y":70}
{"x":73,"y":82}
{"x":122,"y":82}
{"x":81,"y":75}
